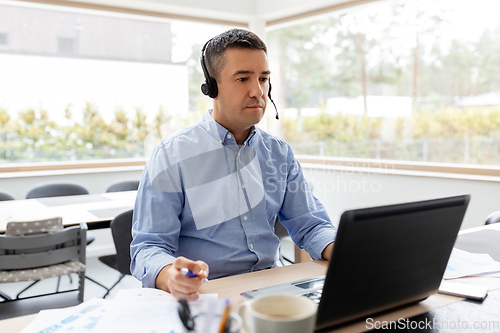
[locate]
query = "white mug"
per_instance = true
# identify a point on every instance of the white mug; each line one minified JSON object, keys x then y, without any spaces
{"x":278,"y":313}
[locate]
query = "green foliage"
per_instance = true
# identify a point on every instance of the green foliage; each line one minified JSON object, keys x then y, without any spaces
{"x":33,"y":136}
{"x":456,"y":122}
{"x":342,"y":128}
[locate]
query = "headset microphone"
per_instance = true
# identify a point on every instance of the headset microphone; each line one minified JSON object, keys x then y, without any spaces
{"x":271,"y":99}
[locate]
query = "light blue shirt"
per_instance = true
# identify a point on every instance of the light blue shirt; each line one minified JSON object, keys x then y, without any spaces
{"x":203,"y":197}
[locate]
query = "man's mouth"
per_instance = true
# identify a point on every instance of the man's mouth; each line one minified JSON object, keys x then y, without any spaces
{"x":254,"y":106}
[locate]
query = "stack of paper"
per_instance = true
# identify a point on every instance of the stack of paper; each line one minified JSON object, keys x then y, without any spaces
{"x":139,"y":310}
{"x":463,"y":263}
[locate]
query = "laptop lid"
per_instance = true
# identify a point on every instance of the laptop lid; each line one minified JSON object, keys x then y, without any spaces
{"x":388,"y":256}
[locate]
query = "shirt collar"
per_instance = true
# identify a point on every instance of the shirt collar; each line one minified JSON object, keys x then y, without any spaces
{"x":220,"y":133}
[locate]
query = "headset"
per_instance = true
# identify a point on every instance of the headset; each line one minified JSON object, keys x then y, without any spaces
{"x":209,"y":87}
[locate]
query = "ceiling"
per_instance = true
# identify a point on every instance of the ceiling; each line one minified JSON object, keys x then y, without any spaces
{"x":232,"y":12}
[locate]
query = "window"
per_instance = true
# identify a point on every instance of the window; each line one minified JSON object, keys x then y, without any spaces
{"x":398,"y":80}
{"x":85,"y":84}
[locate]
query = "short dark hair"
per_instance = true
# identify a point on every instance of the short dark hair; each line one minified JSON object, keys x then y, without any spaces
{"x":234,"y":38}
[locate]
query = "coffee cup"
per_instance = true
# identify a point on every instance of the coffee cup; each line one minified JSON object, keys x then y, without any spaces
{"x":278,"y":313}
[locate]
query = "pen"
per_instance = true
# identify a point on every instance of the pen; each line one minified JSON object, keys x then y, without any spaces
{"x":188,"y":273}
{"x":223,"y":321}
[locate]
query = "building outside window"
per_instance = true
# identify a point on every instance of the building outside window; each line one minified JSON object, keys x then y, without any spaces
{"x":396,"y":80}
{"x":88,"y":85}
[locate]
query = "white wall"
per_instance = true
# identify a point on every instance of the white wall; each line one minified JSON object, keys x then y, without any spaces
{"x":342,"y":189}
{"x":95,"y":182}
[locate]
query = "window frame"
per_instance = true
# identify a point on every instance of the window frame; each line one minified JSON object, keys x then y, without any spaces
{"x":441,"y":170}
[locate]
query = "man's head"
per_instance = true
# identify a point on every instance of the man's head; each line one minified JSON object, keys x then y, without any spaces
{"x":237,"y":72}
{"x":212,"y":54}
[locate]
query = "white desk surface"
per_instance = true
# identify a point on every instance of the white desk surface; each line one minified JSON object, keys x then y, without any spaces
{"x":74,"y":213}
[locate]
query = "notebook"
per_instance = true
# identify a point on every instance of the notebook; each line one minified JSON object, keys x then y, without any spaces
{"x":383,"y":257}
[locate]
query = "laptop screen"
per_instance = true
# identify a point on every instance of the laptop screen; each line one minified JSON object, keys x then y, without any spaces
{"x":388,"y":256}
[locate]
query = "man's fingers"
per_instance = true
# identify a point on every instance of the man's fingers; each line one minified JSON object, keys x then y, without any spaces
{"x":203,"y":269}
{"x":188,"y":297}
{"x":185,"y":287}
{"x":181,"y":285}
{"x":199,"y":267}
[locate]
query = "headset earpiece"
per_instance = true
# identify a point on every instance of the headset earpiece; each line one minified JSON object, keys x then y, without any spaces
{"x":209,"y":87}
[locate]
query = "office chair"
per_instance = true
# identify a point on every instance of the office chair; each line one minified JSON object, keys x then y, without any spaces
{"x":493,"y":218}
{"x":49,"y":189}
{"x":121,"y":229}
{"x":36,"y":250}
{"x":4,"y":196}
{"x":46,"y":190}
{"x":125,"y":185}
{"x":281,"y":232}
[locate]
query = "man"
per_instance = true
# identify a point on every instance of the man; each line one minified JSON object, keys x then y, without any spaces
{"x":210,"y":193}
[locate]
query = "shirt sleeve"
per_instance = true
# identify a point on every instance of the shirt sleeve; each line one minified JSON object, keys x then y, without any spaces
{"x":156,"y":225}
{"x":303,"y":215}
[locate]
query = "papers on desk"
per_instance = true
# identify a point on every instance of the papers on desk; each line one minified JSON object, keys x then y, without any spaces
{"x":140,"y":310}
{"x":463,"y":263}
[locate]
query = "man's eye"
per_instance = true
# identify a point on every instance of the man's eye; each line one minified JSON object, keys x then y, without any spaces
{"x":264,"y":79}
{"x":242,"y":79}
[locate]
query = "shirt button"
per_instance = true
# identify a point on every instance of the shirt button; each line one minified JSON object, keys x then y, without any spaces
{"x":251,"y":246}
{"x":242,"y":185}
{"x":220,"y":141}
{"x":245,"y":217}
{"x":229,"y":136}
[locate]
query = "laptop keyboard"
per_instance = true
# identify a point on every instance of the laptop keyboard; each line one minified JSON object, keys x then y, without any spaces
{"x":315,"y":295}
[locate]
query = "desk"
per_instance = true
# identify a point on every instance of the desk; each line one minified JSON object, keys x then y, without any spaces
{"x":232,"y":287}
{"x":97,"y":210}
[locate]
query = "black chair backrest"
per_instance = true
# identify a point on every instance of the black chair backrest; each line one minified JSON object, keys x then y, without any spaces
{"x":56,"y":190}
{"x":126,"y":185}
{"x":493,"y":218}
{"x":4,"y":196}
{"x":121,"y":229}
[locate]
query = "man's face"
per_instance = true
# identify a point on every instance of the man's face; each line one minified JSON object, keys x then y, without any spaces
{"x":243,"y":87}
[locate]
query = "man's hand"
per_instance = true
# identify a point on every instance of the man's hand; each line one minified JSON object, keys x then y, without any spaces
{"x":172,"y":280}
{"x":327,"y":252}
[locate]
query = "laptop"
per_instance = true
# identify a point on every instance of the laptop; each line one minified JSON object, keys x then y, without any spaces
{"x":383,"y":257}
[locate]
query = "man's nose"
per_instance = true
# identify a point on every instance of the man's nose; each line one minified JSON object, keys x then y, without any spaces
{"x":256,"y":89}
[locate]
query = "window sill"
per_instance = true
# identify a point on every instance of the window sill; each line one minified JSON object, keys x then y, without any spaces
{"x":383,"y":167}
{"x":405,"y":168}
{"x":70,"y":168}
